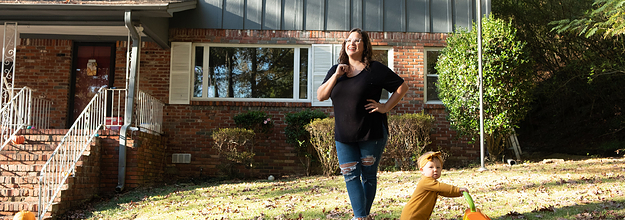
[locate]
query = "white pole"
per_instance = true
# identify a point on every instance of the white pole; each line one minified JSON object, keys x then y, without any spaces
{"x":479,"y":61}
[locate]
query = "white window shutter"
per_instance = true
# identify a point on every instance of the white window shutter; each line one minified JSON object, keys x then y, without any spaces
{"x":180,"y":73}
{"x":336,"y":52}
{"x":322,"y":60}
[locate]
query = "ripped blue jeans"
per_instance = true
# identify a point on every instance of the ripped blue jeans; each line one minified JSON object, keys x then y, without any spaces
{"x":359,"y":165}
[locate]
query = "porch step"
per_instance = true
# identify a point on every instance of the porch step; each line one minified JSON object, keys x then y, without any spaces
{"x":20,"y":166}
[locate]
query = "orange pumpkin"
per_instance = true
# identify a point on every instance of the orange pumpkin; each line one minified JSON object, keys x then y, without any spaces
{"x":18,"y":139}
{"x":24,"y":215}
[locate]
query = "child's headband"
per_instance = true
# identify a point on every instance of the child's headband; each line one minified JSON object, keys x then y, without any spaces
{"x":428,"y":157}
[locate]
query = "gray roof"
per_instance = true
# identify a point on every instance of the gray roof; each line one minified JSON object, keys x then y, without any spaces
{"x":92,"y":21}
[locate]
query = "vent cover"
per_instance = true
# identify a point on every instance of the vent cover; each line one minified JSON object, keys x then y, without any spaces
{"x":181,"y":158}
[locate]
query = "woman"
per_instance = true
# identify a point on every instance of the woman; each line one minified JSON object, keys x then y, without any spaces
{"x":361,"y":128}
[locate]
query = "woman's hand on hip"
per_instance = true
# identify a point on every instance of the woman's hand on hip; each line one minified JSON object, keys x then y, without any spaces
{"x":374,"y":106}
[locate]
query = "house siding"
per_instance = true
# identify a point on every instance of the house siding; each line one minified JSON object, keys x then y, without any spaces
{"x":433,"y":16}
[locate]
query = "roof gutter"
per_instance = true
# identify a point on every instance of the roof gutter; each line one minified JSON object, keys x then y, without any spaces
{"x":130,"y":96}
{"x":172,"y":7}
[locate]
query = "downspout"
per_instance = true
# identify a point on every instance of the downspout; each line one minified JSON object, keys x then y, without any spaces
{"x":130,"y":97}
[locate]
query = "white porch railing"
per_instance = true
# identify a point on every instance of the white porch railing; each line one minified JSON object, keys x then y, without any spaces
{"x":105,"y":111}
{"x":23,"y":111}
{"x":149,"y":112}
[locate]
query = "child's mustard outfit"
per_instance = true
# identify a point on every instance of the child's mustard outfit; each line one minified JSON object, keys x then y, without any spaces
{"x":424,"y":198}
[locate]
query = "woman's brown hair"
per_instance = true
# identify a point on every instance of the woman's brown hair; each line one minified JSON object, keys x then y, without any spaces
{"x":366,"y":53}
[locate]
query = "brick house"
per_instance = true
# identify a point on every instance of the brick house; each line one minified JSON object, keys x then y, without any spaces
{"x":186,"y":60}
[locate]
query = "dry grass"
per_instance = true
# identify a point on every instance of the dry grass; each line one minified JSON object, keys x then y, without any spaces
{"x":556,"y":189}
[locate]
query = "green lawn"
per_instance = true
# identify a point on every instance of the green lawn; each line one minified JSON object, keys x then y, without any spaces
{"x":557,"y":189}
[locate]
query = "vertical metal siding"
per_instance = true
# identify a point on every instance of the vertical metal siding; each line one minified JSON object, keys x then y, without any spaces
{"x":395,"y":15}
{"x":418,"y":18}
{"x":293,"y":15}
{"x":315,"y":15}
{"x":273,"y":15}
{"x":214,"y":13}
{"x":338,"y":15}
{"x":233,"y":14}
{"x":440,"y":14}
{"x":372,"y":20}
{"x":356,"y":14}
{"x":463,"y":14}
{"x":253,"y":15}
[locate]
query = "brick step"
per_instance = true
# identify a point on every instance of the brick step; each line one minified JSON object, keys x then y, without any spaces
{"x":25,"y":199}
{"x":17,"y":206}
{"x":11,"y":181}
{"x":29,"y":147}
{"x":22,"y":191}
{"x":25,"y":157}
{"x":19,"y":168}
{"x":25,"y":166}
{"x":41,"y":138}
{"x":8,"y":209}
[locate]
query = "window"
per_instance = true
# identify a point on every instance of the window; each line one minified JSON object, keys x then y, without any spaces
{"x":384,"y":56}
{"x":431,"y":79}
{"x":239,"y":73}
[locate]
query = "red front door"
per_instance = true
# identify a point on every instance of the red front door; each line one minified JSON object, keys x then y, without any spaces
{"x":94,"y":68}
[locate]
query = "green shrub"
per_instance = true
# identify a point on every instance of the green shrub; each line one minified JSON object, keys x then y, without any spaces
{"x":508,"y":81}
{"x":298,"y":136}
{"x":409,"y":134}
{"x":322,"y":139}
{"x":234,"y":146}
{"x":257,"y":121}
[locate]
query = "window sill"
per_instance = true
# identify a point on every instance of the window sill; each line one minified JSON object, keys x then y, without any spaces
{"x":251,"y":103}
{"x":434,"y":105}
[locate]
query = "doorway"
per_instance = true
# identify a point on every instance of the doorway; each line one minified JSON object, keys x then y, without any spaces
{"x":93,"y":67}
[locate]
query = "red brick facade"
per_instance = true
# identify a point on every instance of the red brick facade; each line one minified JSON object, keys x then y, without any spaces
{"x":187,"y":128}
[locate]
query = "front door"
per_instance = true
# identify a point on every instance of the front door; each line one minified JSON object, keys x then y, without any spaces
{"x":93,"y":68}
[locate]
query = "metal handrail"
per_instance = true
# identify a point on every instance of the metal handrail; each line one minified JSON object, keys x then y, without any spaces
{"x":63,"y":160}
{"x":107,"y":102}
{"x":23,"y":111}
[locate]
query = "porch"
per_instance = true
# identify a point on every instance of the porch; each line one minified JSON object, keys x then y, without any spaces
{"x":57,"y":154}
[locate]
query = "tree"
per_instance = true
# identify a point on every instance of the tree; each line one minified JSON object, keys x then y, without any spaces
{"x":579,"y":100}
{"x":508,"y":80}
{"x":607,"y":18}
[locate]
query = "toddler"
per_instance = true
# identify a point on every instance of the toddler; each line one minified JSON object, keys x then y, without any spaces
{"x":424,"y":197}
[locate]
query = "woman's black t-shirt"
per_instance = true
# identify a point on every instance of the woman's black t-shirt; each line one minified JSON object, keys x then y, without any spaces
{"x":349,"y":96}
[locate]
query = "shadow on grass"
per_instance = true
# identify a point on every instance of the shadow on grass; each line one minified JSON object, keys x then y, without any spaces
{"x":260,"y":190}
{"x":597,"y":210}
{"x":601,"y":175}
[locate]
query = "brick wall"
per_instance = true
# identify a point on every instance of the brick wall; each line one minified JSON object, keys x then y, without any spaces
{"x":145,"y":159}
{"x":45,"y":65}
{"x":84,"y":186}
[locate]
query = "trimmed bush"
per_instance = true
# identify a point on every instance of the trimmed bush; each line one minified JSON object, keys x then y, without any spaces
{"x":257,"y":121}
{"x":234,"y":146}
{"x":409,"y":134}
{"x":322,"y":139}
{"x":299,"y":137}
